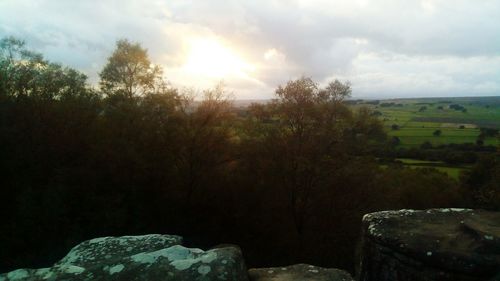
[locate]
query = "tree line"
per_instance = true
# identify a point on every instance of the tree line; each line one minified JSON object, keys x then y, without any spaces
{"x":288,"y":180}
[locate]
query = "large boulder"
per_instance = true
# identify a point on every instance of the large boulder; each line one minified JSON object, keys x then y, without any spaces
{"x":108,"y":249}
{"x":298,"y":272}
{"x":436,"y":244}
{"x":136,"y":258}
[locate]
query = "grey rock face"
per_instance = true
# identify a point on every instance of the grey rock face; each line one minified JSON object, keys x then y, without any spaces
{"x":437,"y":244}
{"x":96,"y":251}
{"x":298,"y":272}
{"x":137,"y":258}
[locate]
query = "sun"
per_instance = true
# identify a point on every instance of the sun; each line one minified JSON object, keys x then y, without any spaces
{"x":210,"y":58}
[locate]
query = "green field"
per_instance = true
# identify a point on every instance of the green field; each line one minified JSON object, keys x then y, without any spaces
{"x":452,"y":171}
{"x":417,"y":125}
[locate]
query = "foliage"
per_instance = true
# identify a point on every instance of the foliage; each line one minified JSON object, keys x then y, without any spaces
{"x":24,"y":73}
{"x":295,"y":175}
{"x":129,"y":71}
{"x":395,"y":141}
{"x":457,"y":107}
{"x":483,"y":183}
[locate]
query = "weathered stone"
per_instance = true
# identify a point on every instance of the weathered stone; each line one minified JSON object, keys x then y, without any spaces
{"x":436,"y":244}
{"x":298,"y":272}
{"x":137,"y":258}
{"x":108,"y":249}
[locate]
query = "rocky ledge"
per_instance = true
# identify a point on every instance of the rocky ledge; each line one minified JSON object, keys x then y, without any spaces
{"x":149,"y":257}
{"x":162,"y":258}
{"x":436,"y":244}
{"x":404,"y":245}
{"x":298,"y":272}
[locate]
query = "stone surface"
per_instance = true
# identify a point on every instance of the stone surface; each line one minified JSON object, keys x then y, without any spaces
{"x":298,"y":272}
{"x":136,"y":258}
{"x":95,"y":251}
{"x":436,"y":244}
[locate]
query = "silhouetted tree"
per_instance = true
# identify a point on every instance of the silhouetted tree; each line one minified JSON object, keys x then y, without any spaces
{"x":482,"y":182}
{"x":129,"y":71}
{"x":206,"y":137}
{"x":295,"y":174}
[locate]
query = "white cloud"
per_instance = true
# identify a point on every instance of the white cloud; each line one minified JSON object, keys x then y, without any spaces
{"x":389,"y":75}
{"x":390,"y":47}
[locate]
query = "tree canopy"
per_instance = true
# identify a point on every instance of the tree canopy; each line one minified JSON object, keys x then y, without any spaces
{"x":139,"y":156}
{"x":129,"y":71}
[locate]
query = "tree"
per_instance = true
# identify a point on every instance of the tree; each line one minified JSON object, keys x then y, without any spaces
{"x":12,"y":49}
{"x":395,"y":141}
{"x":483,"y":182}
{"x":205,"y":138}
{"x":426,"y":145}
{"x":303,"y":148}
{"x":27,"y":73}
{"x":129,"y":71}
{"x":437,"y":133}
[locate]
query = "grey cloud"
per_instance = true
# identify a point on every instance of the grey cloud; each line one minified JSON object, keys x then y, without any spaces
{"x":324,"y":39}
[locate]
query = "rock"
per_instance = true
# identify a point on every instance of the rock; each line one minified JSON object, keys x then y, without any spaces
{"x":95,"y":251}
{"x":136,"y":258}
{"x":225,"y":246}
{"x":298,"y":272}
{"x":436,"y":244}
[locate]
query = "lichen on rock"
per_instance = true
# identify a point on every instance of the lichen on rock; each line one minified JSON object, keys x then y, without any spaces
{"x":436,"y":244}
{"x":108,"y":248}
{"x":149,"y":257}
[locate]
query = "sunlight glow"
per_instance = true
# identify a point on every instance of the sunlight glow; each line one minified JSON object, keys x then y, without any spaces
{"x":208,"y":57}
{"x":271,"y":53}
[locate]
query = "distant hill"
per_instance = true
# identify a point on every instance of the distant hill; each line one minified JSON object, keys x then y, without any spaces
{"x":245,"y":103}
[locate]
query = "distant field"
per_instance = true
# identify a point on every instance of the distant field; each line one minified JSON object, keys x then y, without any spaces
{"x":458,"y":119}
{"x":453,"y":172}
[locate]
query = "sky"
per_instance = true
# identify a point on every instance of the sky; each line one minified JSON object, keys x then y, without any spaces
{"x":385,"y":48}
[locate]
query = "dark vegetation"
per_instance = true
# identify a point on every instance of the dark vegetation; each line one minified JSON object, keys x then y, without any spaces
{"x":458,"y":107}
{"x":390,"y":104}
{"x":481,"y":123}
{"x":288,"y":181}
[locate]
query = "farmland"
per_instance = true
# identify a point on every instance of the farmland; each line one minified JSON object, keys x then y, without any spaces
{"x":431,"y":123}
{"x":458,"y":120}
{"x":451,"y":171}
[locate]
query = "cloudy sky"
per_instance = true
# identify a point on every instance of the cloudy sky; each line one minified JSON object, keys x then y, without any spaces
{"x":386,"y":48}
